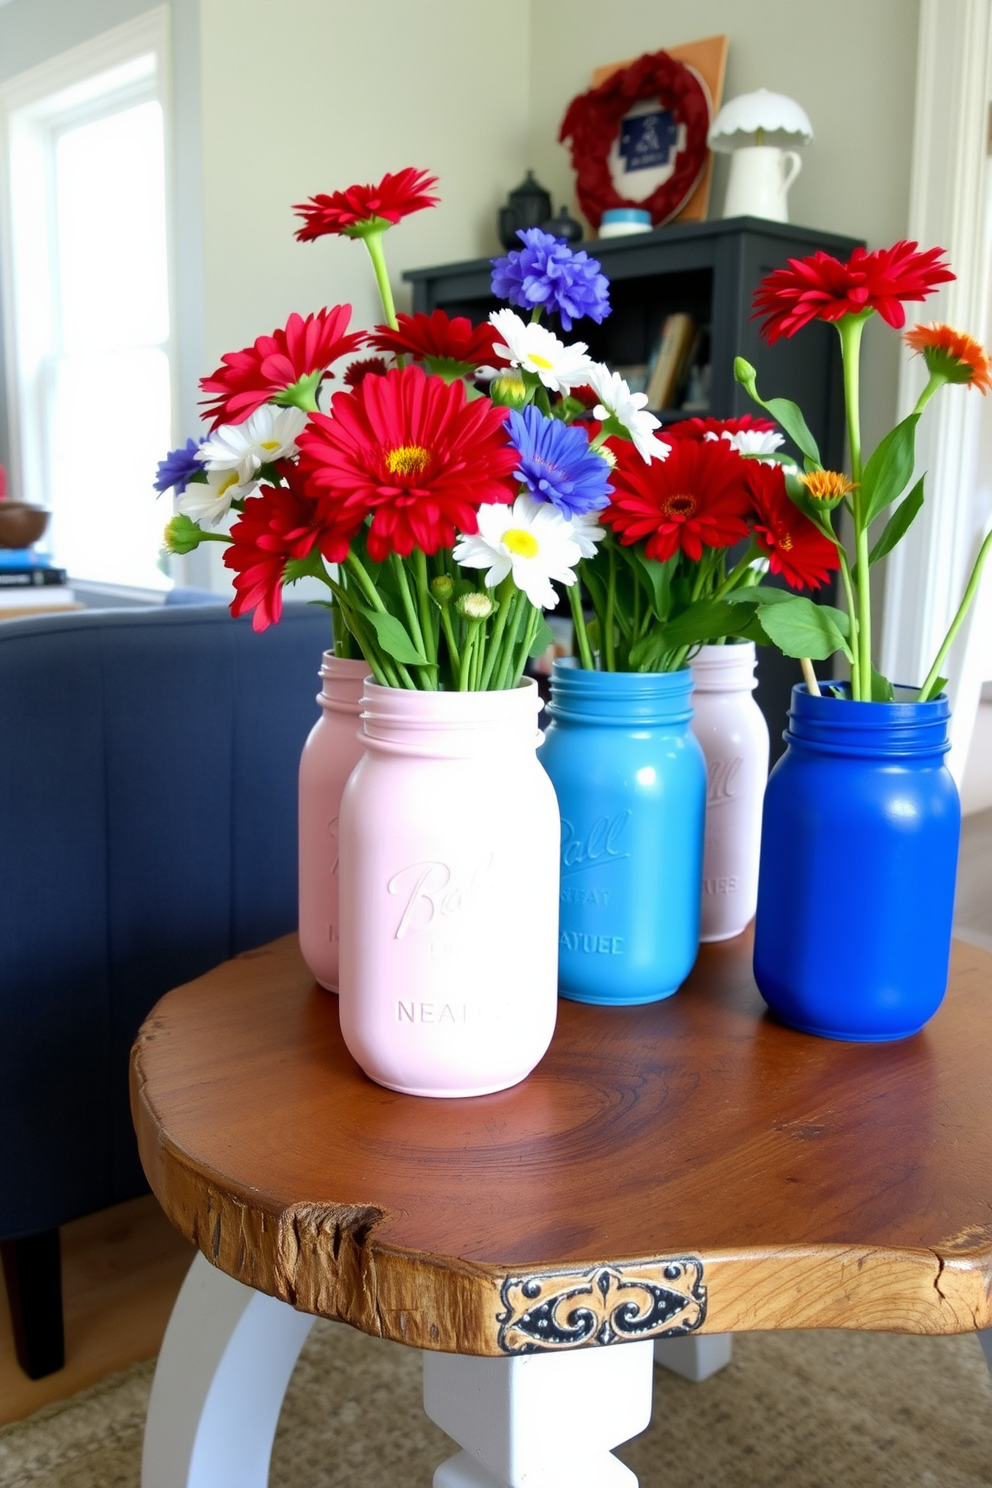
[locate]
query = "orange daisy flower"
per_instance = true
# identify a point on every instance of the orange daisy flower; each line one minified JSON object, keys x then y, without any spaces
{"x":951,"y":354}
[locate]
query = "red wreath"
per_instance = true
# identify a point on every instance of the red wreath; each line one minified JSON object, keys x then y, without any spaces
{"x":593,"y":119}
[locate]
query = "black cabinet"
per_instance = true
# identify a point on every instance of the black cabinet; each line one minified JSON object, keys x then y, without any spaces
{"x":711,"y":270}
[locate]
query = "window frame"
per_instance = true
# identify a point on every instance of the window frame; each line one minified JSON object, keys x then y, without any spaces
{"x":81,"y":85}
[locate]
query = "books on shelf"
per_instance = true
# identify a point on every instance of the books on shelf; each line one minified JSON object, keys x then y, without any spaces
{"x":31,"y":576}
{"x":36,"y":597}
{"x":679,"y":338}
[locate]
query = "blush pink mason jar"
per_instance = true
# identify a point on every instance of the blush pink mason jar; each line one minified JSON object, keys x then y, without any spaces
{"x":733,"y":734}
{"x":331,"y":752}
{"x":449,"y":892}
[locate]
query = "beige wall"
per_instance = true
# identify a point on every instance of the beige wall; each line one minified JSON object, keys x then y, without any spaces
{"x":850,"y":63}
{"x":311,"y":95}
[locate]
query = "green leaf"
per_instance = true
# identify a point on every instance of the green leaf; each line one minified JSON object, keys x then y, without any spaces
{"x":898,"y":524}
{"x":310,"y":567}
{"x":936,"y":688}
{"x":706,"y":620}
{"x":393,"y":637}
{"x":881,"y":688}
{"x":655,"y":576}
{"x":759,"y":595}
{"x":544,"y":638}
{"x":790,"y":416}
{"x":648,"y":650}
{"x":888,"y":472}
{"x":802,"y":628}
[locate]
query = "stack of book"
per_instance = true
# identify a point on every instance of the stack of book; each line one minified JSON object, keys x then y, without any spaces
{"x":679,"y":345}
{"x":29,"y":582}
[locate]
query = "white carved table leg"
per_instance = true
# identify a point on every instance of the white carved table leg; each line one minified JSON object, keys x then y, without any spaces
{"x":540,"y":1420}
{"x":222,"y":1373}
{"x":696,"y":1356}
{"x":985,"y":1339}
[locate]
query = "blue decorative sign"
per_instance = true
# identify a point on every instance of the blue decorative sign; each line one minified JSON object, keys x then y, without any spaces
{"x":648,"y":140}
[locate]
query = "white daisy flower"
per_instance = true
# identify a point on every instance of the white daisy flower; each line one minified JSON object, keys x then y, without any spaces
{"x":751,"y":441}
{"x":617,"y":401}
{"x":530,"y":540}
{"x":533,"y":347}
{"x":269,"y":434}
{"x":586,"y":533}
{"x":209,"y":504}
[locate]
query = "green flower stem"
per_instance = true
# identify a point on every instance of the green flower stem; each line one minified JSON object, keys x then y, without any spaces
{"x":381,"y":666}
{"x":465,"y":671}
{"x":355,"y":566}
{"x":373,"y":242}
{"x":579,"y":625}
{"x":956,"y":623}
{"x":851,"y":328}
{"x":517,"y":670}
{"x":542,"y":400}
{"x":502,"y":679}
{"x":852,"y":617}
{"x":424,"y":604}
{"x":609,"y":650}
{"x":739,"y":572}
{"x":428,"y":679}
{"x":449,"y":635}
{"x":505,"y":594}
{"x":937,"y":380}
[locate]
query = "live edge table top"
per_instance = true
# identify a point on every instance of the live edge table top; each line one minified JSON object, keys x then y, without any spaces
{"x":689,"y":1165}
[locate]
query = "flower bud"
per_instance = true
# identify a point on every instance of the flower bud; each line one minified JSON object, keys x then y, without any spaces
{"x":509,"y":390}
{"x":746,"y":375}
{"x":182,"y":535}
{"x":474,"y":606}
{"x":443,"y":588}
{"x":826,"y":488}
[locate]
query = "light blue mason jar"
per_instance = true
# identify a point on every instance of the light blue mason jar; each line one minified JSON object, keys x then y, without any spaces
{"x":631,"y":784}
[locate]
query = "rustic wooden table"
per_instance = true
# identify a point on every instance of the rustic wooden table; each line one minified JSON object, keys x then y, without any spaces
{"x":669,"y":1172}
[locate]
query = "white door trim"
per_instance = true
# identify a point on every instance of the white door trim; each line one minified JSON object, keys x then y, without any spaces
{"x":949,"y":204}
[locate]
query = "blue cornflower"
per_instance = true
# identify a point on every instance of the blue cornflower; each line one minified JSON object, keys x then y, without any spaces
{"x":178,"y":468}
{"x":556,"y":463}
{"x":547,"y":273}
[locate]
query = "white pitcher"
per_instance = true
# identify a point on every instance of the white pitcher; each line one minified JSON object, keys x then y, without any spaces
{"x":760,"y":177}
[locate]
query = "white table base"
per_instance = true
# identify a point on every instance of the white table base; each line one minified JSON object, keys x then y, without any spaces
{"x":528,"y":1421}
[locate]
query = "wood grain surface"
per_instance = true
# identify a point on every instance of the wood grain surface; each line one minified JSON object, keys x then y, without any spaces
{"x":687,"y":1165}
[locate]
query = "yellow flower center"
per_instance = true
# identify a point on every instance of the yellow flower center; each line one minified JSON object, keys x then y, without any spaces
{"x":521,"y":542}
{"x":540,"y":361}
{"x":268,"y":444}
{"x":785,"y":542}
{"x":407,"y":459}
{"x":228,"y":482}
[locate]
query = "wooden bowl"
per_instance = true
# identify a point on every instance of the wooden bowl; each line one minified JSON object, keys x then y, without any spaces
{"x":21,"y":524}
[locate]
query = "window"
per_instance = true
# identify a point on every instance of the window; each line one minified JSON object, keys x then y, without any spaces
{"x":88,"y":284}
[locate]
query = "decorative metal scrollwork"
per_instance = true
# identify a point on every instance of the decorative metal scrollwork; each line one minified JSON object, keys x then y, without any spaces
{"x":606,"y":1304}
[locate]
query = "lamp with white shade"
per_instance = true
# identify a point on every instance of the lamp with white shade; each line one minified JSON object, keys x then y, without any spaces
{"x":760,"y":132}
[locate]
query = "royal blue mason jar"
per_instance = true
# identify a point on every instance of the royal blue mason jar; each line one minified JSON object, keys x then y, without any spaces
{"x":859,"y":853}
{"x":631,"y":785}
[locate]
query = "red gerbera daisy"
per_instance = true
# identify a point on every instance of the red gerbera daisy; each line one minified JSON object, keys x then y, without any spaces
{"x":822,"y":288}
{"x":280,"y":523}
{"x":438,"y":339}
{"x":951,"y":354}
{"x":698,"y":428}
{"x":410,"y":450}
{"x":696,"y":498}
{"x":796,"y":548}
{"x":356,"y":373}
{"x":363,"y":209}
{"x":285,"y":367}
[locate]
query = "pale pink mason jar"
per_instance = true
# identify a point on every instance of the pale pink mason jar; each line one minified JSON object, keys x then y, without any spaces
{"x":733,"y":734}
{"x":449,"y":892}
{"x":332,"y":751}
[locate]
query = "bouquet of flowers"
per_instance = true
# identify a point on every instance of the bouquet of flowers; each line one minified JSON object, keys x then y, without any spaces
{"x":847,"y":295}
{"x":440,"y":518}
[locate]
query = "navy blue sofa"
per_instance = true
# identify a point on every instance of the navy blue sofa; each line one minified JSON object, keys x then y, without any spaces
{"x":148,"y":768}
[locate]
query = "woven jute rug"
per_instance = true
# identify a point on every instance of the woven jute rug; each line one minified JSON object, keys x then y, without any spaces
{"x":800,"y":1410}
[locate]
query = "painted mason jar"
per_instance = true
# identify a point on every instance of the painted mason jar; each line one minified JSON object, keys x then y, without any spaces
{"x":332,"y":751}
{"x":449,"y":892}
{"x":858,"y":865}
{"x":733,"y":735}
{"x":631,"y":784}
